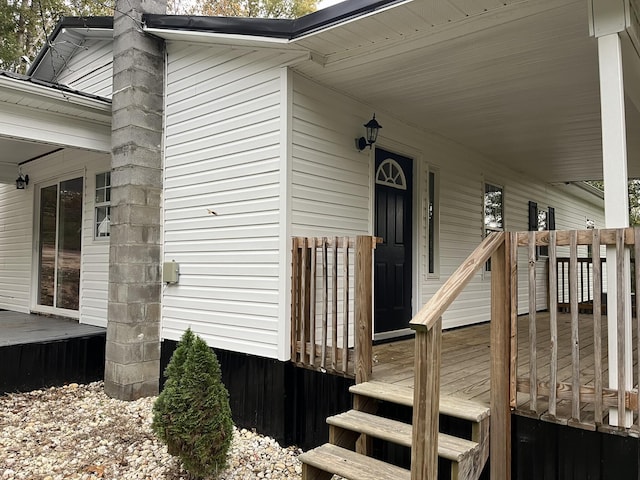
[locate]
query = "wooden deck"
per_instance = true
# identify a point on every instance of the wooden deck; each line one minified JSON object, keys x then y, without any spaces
{"x":465,"y":360}
{"x":465,"y":363}
{"x":23,"y":328}
{"x":38,"y":351}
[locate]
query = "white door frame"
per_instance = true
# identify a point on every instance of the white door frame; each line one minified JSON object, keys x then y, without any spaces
{"x":35,"y":273}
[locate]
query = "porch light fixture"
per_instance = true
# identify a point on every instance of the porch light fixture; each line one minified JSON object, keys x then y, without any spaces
{"x":372,"y":127}
{"x":22,"y":181}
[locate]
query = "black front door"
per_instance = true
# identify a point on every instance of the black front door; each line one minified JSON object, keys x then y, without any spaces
{"x":392,"y":273}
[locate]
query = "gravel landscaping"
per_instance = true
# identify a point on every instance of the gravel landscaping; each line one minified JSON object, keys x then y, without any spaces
{"x":77,"y":432}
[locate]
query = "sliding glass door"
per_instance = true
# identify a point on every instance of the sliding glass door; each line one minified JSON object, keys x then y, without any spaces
{"x":59,"y":245}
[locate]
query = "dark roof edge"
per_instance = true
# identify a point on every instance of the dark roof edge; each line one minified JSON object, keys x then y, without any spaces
{"x":338,"y":13}
{"x":69,"y":22}
{"x":265,"y":27}
{"x":269,"y":27}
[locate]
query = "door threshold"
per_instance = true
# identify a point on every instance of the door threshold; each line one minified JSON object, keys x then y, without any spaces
{"x":386,"y":337}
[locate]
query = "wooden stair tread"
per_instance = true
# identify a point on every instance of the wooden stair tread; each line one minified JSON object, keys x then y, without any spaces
{"x":450,"y":406}
{"x":449,"y":447}
{"x":352,"y":465}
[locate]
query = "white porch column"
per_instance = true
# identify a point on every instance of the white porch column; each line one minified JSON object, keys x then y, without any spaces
{"x":616,"y":201}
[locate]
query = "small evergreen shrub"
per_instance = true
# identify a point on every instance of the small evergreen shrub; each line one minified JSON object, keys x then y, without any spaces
{"x":192,"y":414}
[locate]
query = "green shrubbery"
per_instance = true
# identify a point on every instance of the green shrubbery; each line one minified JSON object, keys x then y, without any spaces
{"x":192,"y":414}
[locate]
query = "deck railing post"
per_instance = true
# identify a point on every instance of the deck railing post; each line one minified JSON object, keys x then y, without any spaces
{"x":295,"y":301}
{"x":426,"y":403}
{"x":500,"y":435}
{"x":363,"y":308}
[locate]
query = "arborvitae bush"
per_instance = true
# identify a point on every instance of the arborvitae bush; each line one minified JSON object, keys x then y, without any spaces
{"x":192,"y":414}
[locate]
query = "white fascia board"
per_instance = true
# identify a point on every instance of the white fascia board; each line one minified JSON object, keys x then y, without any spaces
{"x":234,"y":41}
{"x":214,"y":37}
{"x":21,"y":88}
{"x":54,"y":128}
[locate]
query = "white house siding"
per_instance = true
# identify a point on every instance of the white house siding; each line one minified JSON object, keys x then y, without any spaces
{"x":94,"y":286}
{"x":332,"y":190}
{"x":90,"y":69}
{"x":17,"y":224}
{"x":16,"y":237}
{"x":223,"y":155}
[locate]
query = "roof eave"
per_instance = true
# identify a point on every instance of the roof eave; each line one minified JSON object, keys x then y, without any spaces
{"x":69,"y":22}
{"x":101,"y":106}
{"x":269,"y":28}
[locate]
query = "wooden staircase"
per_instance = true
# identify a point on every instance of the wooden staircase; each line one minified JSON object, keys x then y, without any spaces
{"x":346,"y":454}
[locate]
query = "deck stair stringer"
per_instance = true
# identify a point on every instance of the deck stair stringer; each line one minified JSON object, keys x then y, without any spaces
{"x":347,"y":431}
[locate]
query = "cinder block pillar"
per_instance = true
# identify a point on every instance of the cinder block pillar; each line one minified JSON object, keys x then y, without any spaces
{"x":132,"y":364}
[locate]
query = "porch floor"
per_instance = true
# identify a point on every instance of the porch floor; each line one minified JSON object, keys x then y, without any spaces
{"x":38,"y":351}
{"x":22,"y":328}
{"x":465,"y":367}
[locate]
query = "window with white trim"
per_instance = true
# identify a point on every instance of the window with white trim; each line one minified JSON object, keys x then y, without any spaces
{"x":390,"y":173}
{"x":541,"y":220}
{"x":103,"y":205}
{"x":493,"y":212}
{"x":433,"y":224}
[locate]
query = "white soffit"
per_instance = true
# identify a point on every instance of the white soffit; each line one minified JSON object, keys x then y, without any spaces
{"x":517,"y":82}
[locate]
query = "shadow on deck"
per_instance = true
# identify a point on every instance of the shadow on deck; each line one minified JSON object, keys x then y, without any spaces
{"x":38,"y":351}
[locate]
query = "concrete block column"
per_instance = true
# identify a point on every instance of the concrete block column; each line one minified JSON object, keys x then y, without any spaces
{"x":132,"y":366}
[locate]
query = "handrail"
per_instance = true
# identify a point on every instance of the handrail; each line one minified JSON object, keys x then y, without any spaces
{"x":429,"y":314}
{"x":428,"y":347}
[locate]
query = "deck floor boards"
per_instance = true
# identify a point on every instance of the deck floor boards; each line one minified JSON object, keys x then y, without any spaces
{"x":465,"y":359}
{"x":22,"y":328}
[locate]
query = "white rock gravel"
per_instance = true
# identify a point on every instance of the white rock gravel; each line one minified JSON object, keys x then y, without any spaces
{"x":77,"y":432}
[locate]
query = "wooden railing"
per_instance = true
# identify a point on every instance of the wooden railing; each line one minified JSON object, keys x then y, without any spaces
{"x":543,"y":378}
{"x":428,"y":327}
{"x":573,"y":386}
{"x":584,"y":274}
{"x":331,"y":328}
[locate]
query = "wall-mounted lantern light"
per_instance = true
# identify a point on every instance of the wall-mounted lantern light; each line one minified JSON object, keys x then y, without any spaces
{"x":22,"y":181}
{"x":372,"y":127}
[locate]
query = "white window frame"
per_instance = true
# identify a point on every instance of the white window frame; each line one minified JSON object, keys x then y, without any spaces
{"x":104,"y":224}
{"x":432,"y":223}
{"x":486,"y":226}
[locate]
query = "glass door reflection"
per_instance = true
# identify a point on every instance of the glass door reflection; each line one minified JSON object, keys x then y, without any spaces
{"x":60,"y":243}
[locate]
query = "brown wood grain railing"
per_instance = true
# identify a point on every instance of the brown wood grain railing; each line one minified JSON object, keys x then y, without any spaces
{"x":428,"y":327}
{"x":572,"y":387}
{"x":331,"y":328}
{"x":585,"y":282}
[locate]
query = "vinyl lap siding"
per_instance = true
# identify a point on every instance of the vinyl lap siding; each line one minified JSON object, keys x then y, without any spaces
{"x":223,"y":133}
{"x":94,"y":289}
{"x":332,"y":192}
{"x":17,"y":235}
{"x":90,"y":69}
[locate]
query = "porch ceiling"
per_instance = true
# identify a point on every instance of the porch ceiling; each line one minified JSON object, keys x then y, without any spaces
{"x":18,"y":151}
{"x":517,"y":83}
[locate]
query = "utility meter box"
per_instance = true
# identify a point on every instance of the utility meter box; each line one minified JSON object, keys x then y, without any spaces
{"x":170,"y":272}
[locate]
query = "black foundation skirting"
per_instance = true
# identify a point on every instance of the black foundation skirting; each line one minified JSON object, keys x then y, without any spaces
{"x":31,"y":366}
{"x":277,"y":399}
{"x":546,"y":451}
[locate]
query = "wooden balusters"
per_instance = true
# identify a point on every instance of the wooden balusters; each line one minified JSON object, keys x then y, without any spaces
{"x":331,"y":288}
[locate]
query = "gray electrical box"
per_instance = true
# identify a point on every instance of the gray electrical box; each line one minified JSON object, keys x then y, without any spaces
{"x":170,"y":272}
